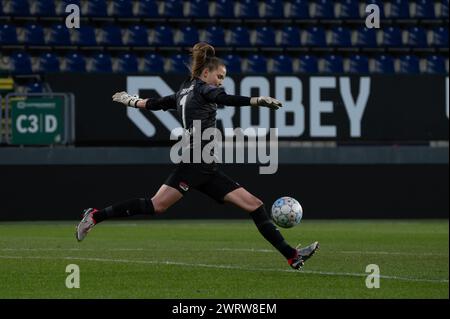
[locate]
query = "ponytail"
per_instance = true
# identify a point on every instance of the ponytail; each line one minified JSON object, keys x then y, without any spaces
{"x":203,"y":56}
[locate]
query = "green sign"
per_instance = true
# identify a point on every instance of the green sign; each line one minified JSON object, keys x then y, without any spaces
{"x":37,"y":121}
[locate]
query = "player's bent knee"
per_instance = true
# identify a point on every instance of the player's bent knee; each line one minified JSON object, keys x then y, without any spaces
{"x":256,"y":203}
{"x":160,"y":207}
{"x":253,"y":204}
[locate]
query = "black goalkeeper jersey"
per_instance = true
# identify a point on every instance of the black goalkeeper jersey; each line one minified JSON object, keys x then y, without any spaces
{"x":196,"y":101}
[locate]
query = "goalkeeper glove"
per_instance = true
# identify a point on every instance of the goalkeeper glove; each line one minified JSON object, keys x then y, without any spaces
{"x":126,"y":99}
{"x":266,"y":101}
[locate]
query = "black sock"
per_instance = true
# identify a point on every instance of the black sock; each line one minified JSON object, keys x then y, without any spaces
{"x":271,"y":233}
{"x":138,"y":206}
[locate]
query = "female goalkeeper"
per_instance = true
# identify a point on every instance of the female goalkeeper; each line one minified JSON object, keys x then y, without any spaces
{"x":197,"y":99}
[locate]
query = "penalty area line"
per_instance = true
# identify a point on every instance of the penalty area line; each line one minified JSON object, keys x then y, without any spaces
{"x":230,"y":267}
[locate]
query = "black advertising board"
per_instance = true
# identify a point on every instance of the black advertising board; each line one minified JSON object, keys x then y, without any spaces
{"x":377,"y":108}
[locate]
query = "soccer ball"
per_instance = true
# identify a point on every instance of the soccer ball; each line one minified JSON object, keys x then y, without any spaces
{"x":287,"y":212}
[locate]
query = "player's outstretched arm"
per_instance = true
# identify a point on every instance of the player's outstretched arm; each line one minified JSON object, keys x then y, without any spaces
{"x":163,"y":103}
{"x":236,"y":100}
{"x":265,"y":101}
{"x":129,"y":100}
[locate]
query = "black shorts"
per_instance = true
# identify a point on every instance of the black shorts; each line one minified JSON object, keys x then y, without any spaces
{"x":210,"y":181}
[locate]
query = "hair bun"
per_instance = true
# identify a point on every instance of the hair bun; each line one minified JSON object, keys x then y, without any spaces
{"x":205,"y":48}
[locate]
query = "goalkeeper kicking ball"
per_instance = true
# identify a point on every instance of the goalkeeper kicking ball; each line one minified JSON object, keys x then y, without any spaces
{"x":287,"y":212}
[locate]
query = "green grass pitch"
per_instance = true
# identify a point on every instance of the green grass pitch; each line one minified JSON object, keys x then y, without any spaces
{"x":223,"y":259}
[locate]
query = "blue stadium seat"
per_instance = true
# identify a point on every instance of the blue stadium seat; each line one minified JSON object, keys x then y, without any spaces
{"x":127,"y":63}
{"x":308,"y":64}
{"x":153,"y":63}
{"x":48,"y":62}
{"x":282,"y":64}
{"x":299,"y":9}
{"x":239,"y":36}
{"x":178,"y":64}
{"x":163,"y":36}
{"x":408,"y":64}
{"x":21,"y":63}
{"x":59,"y":35}
{"x":340,"y":37}
{"x":34,"y":87}
{"x":349,"y":9}
{"x":273,"y":9}
{"x":332,"y":64}
{"x":383,"y":64}
{"x":224,"y":9}
{"x":34,"y":34}
{"x":233,"y":63}
{"x":101,"y":63}
{"x":417,"y":37}
{"x":85,"y":36}
{"x":96,"y":8}
{"x":248,"y":9}
{"x":188,"y":36}
{"x":392,"y":37}
{"x":256,"y":64}
{"x":435,"y":64}
{"x":358,"y":64}
{"x":198,"y":9}
{"x":75,"y":62}
{"x":137,"y":35}
{"x":399,"y":9}
{"x":424,"y":9}
{"x":112,"y":36}
{"x":324,"y":9}
{"x":315,"y":37}
{"x":44,"y":8}
{"x":18,"y":8}
{"x":366,"y":37}
{"x":215,"y":35}
{"x":440,"y":37}
{"x":290,"y":36}
{"x":8,"y":34}
{"x":444,"y":9}
{"x":147,"y":9}
{"x":122,"y":8}
{"x":173,"y":8}
{"x":379,"y":3}
{"x":265,"y":36}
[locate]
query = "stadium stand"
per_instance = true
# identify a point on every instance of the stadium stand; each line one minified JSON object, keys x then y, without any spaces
{"x":49,"y":62}
{"x":308,"y":64}
{"x":74,"y":62}
{"x":233,"y":63}
{"x":383,"y":64}
{"x":215,"y":35}
{"x":282,"y":64}
{"x":256,"y":64}
{"x":333,"y":64}
{"x":153,"y":63}
{"x":408,"y":64}
{"x":300,"y":31}
{"x":127,"y":63}
{"x":358,"y":64}
{"x":33,"y":34}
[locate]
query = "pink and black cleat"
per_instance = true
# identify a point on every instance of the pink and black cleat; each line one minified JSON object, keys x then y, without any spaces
{"x":303,"y":254}
{"x":86,"y":224}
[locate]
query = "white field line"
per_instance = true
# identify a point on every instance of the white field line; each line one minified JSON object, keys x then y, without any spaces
{"x":390,"y":253}
{"x":71,"y":249}
{"x":153,"y":262}
{"x":356,"y":252}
